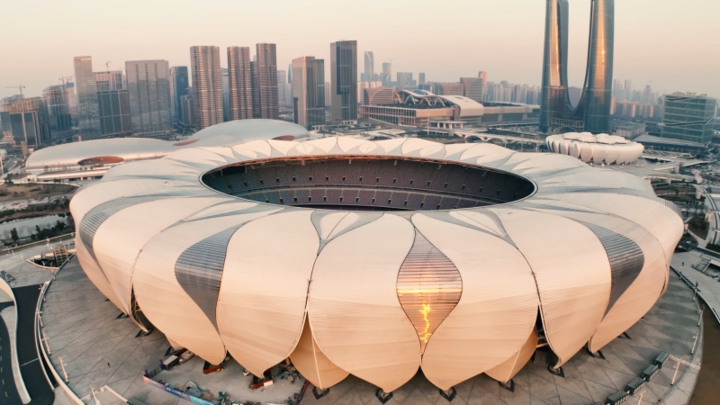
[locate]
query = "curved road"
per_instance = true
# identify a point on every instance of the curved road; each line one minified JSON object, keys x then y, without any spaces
{"x":31,"y":366}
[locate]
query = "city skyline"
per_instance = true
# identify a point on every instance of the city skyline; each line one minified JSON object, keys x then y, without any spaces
{"x":639,"y":57}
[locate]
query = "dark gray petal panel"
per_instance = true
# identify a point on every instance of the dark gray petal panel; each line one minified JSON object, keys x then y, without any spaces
{"x":199,"y":270}
{"x":626,"y":260}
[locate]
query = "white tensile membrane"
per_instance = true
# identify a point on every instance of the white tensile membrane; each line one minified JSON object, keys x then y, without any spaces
{"x":322,"y":286}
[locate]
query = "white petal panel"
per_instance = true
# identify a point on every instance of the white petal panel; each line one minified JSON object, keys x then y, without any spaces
{"x":347,"y":143}
{"x":88,"y":198}
{"x":121,"y":237}
{"x":572,"y":273}
{"x":507,"y":370}
{"x":324,"y":144}
{"x":658,"y":219}
{"x":253,"y":150}
{"x":94,"y":273}
{"x":313,"y":364}
{"x":163,"y":299}
{"x":454,"y":151}
{"x":354,"y":310}
{"x":598,"y":178}
{"x":485,"y":152}
{"x":391,"y":146}
{"x":261,"y":308}
{"x":281,"y":148}
{"x":198,"y":156}
{"x":496,"y":312}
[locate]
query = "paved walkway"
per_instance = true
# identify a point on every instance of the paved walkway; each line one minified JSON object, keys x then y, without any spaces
{"x":709,"y":288}
{"x":98,"y":348}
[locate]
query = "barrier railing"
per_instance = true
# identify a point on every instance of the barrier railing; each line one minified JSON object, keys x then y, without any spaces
{"x":61,"y":383}
{"x":18,"y":249}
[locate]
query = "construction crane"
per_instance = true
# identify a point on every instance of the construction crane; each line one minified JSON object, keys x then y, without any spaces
{"x":107,"y":65}
{"x":65,"y":79}
{"x":20,"y":87}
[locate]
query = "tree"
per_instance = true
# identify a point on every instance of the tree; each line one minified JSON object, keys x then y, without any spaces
{"x":14,"y":235}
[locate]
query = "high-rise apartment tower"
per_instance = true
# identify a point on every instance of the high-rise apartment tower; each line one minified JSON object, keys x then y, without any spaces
{"x":207,"y":85}
{"x":265,"y":83}
{"x":240,"y":82}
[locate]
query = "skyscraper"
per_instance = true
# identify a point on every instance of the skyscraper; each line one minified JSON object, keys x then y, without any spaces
{"x":87,"y":104}
{"x":148,"y":84}
{"x":179,"y":84}
{"x":343,"y":79}
{"x":309,"y":91}
{"x":85,"y":84}
{"x":207,"y":85}
{"x":421,"y":78}
{"x":369,"y":73}
{"x":58,"y":108}
{"x":114,"y":112}
{"x":240,"y":82}
{"x":405,"y":80}
{"x":283,"y":89}
{"x":483,"y":76}
{"x":112,"y":80}
{"x":473,"y":88}
{"x":266,"y":83}
{"x":225,"y":93}
{"x":689,"y":117}
{"x":593,"y":111}
{"x":386,"y":76}
{"x":26,"y":120}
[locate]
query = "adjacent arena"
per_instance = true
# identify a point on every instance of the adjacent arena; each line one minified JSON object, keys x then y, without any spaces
{"x":597,"y":149}
{"x":375,"y":258}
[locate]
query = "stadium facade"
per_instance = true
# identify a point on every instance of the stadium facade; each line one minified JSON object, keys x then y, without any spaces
{"x":592,"y":114}
{"x":375,"y":258}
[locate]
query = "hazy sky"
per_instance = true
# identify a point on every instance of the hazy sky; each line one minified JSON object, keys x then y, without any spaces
{"x":672,"y":45}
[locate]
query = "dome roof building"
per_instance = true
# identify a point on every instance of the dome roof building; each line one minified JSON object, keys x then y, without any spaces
{"x":597,"y":149}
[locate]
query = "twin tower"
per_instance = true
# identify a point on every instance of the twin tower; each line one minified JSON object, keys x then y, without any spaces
{"x":592,"y":114}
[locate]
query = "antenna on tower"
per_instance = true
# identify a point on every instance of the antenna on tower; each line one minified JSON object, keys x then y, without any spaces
{"x":20,"y":87}
{"x":107,"y":65}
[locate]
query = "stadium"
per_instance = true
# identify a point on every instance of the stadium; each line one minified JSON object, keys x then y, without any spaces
{"x":375,"y":258}
{"x":597,"y":149}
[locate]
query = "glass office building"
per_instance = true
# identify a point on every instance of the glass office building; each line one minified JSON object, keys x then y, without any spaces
{"x":179,"y":85}
{"x":689,"y":117}
{"x":343,"y":81}
{"x":309,"y":91}
{"x":149,"y":89}
{"x":58,"y":108}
